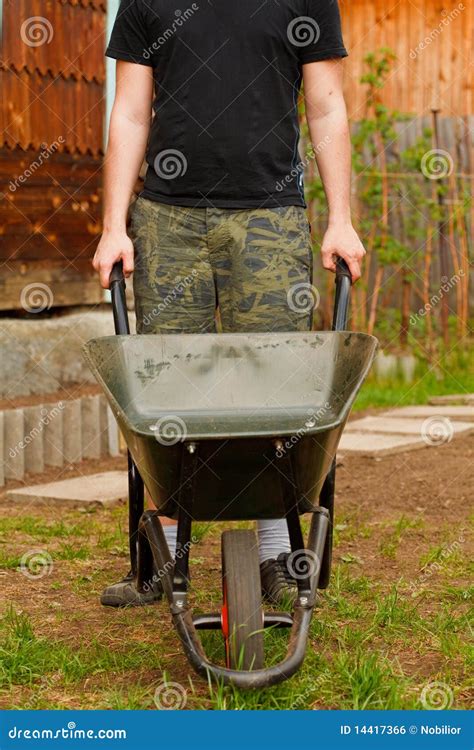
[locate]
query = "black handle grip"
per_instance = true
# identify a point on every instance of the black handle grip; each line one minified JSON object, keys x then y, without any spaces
{"x":116,"y":274}
{"x":342,"y":269}
{"x":343,"y":295}
{"x":119,"y":302}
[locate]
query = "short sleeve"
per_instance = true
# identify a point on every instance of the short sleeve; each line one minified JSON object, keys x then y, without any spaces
{"x":319,"y":36}
{"x":129,"y":39}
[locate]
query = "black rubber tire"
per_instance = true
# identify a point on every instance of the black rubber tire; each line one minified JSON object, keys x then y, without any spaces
{"x":243,"y":594}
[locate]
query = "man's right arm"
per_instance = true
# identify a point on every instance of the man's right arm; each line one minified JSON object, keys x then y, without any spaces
{"x":128,"y":136}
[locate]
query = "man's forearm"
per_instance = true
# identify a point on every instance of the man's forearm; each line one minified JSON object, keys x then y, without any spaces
{"x":331,"y":142}
{"x":124,"y":157}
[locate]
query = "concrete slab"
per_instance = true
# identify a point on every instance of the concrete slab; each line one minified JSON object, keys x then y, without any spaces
{"x":465,"y":413}
{"x":105,"y":489}
{"x":34,"y":439}
{"x":14,"y":446}
{"x":72,"y":434}
{"x":406,"y":426}
{"x":91,"y":441}
{"x":2,"y":462}
{"x":112,"y":434}
{"x":375,"y":445}
{"x":53,"y":434}
{"x":455,"y":398}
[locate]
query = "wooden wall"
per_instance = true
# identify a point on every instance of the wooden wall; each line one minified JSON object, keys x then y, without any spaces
{"x":51,"y":120}
{"x":440,"y":75}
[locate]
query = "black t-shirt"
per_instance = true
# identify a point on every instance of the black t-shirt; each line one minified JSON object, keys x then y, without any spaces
{"x":227,"y":76}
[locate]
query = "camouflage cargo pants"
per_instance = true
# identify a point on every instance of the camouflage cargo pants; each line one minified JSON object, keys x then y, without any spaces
{"x":253,"y":266}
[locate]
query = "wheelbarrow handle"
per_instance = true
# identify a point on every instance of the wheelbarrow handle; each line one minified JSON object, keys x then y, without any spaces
{"x":119,"y":303}
{"x":343,"y":295}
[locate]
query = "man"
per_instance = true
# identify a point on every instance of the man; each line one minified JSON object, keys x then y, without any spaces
{"x":223,"y":203}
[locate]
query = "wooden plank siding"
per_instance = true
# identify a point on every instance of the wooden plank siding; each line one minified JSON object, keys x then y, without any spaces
{"x":440,"y":75}
{"x":51,"y":118}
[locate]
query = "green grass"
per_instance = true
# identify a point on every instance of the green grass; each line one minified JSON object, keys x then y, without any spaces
{"x":38,"y":529}
{"x":453,"y":374}
{"x":26,"y":659}
{"x":390,"y":543}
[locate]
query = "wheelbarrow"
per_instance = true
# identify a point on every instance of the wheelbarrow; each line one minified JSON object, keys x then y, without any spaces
{"x":233,"y":427}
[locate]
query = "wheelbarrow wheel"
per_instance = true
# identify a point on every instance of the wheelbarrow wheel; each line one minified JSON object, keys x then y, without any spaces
{"x":242,"y":614}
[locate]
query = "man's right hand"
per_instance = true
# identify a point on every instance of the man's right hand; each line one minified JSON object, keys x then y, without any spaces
{"x":113,"y":246}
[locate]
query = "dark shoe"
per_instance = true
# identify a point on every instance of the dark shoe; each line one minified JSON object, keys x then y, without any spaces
{"x":278,"y":585}
{"x":126,"y":594}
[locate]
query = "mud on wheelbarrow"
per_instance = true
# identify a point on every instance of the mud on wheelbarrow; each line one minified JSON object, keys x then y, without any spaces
{"x":231,"y":427}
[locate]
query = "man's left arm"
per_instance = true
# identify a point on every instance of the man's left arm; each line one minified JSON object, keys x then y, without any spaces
{"x":326,"y":115}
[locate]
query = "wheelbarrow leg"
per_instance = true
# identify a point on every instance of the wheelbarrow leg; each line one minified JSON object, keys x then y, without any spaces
{"x":173,"y":574}
{"x":301,"y":561}
{"x":326,"y":500}
{"x":136,"y":494}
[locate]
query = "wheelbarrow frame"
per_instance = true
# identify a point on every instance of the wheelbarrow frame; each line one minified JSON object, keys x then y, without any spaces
{"x":149,"y":550}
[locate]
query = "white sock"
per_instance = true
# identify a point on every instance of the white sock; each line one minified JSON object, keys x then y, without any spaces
{"x":272,"y":538}
{"x":170,"y":534}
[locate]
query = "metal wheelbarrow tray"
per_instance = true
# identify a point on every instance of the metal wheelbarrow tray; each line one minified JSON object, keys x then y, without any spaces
{"x":224,"y":427}
{"x":237,"y":396}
